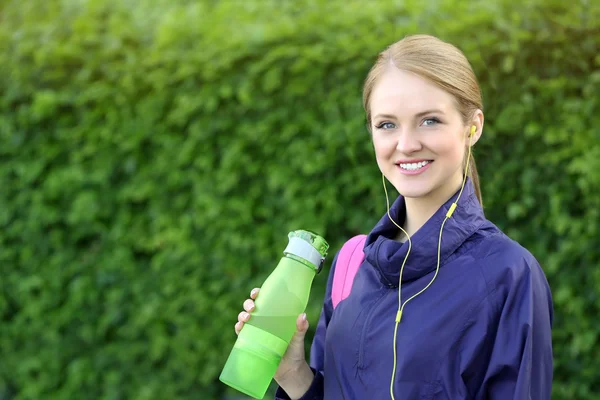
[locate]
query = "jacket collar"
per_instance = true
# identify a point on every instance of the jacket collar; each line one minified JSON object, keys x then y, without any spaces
{"x":387,"y":255}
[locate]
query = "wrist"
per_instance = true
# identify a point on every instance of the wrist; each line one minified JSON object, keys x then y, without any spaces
{"x":297,"y":381}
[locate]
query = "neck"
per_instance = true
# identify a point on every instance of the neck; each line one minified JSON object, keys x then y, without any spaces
{"x":420,"y":210}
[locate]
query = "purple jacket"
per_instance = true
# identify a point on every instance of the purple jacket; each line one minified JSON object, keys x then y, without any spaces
{"x":482,"y":330}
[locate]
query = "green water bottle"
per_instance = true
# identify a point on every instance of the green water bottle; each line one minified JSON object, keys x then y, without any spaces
{"x":264,"y":339}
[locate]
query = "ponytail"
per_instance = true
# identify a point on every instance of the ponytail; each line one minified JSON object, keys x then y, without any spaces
{"x":474,"y":176}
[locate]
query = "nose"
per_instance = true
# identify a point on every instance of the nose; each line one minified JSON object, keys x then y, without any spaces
{"x":408,"y":142}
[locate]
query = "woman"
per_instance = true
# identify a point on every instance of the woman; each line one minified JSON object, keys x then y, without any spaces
{"x":464,"y":316}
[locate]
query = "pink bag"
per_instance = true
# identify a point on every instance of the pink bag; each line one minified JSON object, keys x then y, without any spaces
{"x":349,"y":260}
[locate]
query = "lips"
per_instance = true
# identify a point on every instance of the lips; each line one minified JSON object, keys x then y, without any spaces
{"x":413,"y":167}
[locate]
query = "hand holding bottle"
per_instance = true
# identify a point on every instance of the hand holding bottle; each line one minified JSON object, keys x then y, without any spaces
{"x":293,"y":374}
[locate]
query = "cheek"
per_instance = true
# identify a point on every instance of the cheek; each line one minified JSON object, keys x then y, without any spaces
{"x":383,"y":148}
{"x":455,"y":155}
{"x":381,"y":154}
{"x":451,"y":150}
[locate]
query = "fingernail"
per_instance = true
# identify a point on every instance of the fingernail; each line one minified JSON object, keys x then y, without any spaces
{"x":253,"y":292}
{"x":246,"y":315}
{"x":304,"y":317}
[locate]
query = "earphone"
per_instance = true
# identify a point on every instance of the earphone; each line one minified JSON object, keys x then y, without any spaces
{"x":448,"y":215}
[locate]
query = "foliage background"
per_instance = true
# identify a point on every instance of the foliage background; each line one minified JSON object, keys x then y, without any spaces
{"x":154,"y":155}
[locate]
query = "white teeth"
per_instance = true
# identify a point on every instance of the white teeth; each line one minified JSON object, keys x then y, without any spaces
{"x":414,"y":166}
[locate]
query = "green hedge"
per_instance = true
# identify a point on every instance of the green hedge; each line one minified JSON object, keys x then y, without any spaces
{"x":153,"y":159}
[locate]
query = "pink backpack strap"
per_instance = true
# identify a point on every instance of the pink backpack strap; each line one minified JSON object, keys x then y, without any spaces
{"x":349,"y":260}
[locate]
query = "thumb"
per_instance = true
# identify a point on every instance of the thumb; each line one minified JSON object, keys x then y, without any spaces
{"x":302,"y":324}
{"x":301,"y":329}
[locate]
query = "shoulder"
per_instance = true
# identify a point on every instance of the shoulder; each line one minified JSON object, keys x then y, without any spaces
{"x":508,"y":268}
{"x":500,"y":255}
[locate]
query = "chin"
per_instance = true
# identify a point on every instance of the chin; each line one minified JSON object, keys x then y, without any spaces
{"x":413,"y":190}
{"x":415,"y":193}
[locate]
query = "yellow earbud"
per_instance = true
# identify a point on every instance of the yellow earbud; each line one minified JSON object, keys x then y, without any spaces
{"x":473,"y":130}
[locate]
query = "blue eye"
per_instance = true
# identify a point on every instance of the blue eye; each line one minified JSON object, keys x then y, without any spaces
{"x":431,"y":121}
{"x":386,"y":125}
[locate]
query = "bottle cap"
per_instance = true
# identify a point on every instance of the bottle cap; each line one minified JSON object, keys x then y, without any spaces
{"x":307,"y":246}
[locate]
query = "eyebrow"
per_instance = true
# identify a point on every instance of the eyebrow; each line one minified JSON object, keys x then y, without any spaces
{"x":421,"y":114}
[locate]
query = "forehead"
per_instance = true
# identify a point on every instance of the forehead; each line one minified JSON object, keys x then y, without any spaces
{"x":401,"y":92}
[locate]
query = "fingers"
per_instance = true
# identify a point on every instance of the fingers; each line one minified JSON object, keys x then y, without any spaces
{"x":249,"y":305}
{"x":242,"y":318}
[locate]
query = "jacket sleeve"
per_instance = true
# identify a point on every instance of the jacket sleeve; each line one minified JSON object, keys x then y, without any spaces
{"x":317,"y":349}
{"x":520,"y":363}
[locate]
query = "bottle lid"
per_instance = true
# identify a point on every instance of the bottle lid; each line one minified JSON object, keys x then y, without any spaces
{"x":309,"y":247}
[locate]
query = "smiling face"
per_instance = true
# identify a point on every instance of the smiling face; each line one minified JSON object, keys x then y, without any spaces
{"x":418,"y":135}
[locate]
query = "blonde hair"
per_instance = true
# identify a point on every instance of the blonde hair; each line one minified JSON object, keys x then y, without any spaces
{"x":442,"y":64}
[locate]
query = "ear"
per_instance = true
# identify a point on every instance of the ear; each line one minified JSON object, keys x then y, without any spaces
{"x":477,"y":122}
